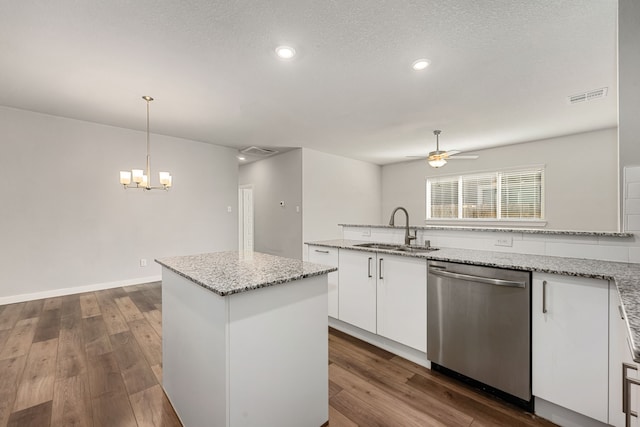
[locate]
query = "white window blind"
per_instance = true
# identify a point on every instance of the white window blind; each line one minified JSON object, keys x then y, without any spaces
{"x":479,"y":196}
{"x":510,"y":195}
{"x":521,"y":194}
{"x":444,"y":198}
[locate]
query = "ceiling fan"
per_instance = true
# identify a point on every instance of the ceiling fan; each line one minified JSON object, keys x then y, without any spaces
{"x":438,"y":158}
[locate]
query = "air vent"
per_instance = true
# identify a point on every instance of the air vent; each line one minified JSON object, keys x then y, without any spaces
{"x":258,"y":151}
{"x":588,"y":96}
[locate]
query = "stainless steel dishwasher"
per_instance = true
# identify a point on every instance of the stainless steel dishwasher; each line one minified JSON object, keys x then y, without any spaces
{"x":479,"y":327}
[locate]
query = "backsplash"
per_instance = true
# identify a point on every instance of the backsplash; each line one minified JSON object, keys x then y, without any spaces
{"x":606,"y":248}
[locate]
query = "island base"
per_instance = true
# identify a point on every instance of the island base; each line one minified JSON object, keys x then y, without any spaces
{"x":257,"y":358}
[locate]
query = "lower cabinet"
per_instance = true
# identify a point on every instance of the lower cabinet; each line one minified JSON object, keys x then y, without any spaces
{"x":570,"y":360}
{"x":385,"y":294}
{"x":328,"y":256}
{"x":581,"y":357}
{"x":357,"y":292}
{"x":402,"y":300}
{"x":624,"y":374}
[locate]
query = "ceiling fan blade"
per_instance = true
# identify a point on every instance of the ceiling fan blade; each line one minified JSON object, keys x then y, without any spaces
{"x":463,"y":157}
{"x":453,"y":152}
{"x":416,"y":157}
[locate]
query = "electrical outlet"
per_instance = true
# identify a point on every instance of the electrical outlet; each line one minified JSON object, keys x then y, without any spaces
{"x":143,"y":262}
{"x":504,"y":241}
{"x":229,"y":209}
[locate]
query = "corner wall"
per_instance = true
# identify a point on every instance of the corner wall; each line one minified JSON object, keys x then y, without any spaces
{"x":277,"y":229}
{"x":338,"y":190}
{"x":628,"y":89}
{"x":66,"y":222}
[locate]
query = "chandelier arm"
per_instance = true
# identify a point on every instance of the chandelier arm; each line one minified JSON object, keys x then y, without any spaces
{"x":139,"y":187}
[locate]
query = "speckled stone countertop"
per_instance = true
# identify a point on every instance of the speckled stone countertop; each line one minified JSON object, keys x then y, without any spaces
{"x":226,"y":273}
{"x":502,"y":230}
{"x":626,"y":276}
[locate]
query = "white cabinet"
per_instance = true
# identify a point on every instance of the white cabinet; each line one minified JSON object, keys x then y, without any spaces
{"x":402,"y":300}
{"x":385,"y":294}
{"x":619,"y":355}
{"x":328,"y":256}
{"x":570,"y":318}
{"x":357,"y":290}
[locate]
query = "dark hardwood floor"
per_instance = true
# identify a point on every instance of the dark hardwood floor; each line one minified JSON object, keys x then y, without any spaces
{"x":95,"y":359}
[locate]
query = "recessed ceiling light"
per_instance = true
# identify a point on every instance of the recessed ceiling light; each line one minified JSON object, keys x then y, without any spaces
{"x":242,"y":158}
{"x":420,"y":64}
{"x":285,"y":52}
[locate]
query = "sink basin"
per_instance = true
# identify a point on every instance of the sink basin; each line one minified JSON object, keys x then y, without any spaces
{"x":397,"y":247}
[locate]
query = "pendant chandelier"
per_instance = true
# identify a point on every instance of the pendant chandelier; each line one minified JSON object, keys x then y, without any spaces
{"x":142,"y":180}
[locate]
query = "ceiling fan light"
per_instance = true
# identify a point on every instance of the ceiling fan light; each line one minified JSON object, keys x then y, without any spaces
{"x":437,"y":163}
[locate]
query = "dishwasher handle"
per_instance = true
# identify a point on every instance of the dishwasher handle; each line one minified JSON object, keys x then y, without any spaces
{"x":479,"y":279}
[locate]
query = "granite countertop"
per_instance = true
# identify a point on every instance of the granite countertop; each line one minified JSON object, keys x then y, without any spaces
{"x":626,"y":276}
{"x":502,"y":230}
{"x":226,"y":273}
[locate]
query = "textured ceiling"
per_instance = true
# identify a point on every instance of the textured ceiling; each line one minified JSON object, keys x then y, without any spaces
{"x":500,"y":70}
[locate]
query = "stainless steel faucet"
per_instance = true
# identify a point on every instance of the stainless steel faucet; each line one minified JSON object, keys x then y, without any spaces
{"x":407,"y":237}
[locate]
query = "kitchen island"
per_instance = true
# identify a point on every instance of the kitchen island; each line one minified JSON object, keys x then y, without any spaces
{"x":245,"y":339}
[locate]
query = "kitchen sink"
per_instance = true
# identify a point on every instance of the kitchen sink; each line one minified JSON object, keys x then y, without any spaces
{"x":397,"y":247}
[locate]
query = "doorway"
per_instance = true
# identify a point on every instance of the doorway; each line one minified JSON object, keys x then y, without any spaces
{"x":245,"y":217}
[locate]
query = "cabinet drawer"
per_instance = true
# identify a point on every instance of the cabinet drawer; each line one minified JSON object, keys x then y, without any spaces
{"x":328,"y":256}
{"x":323,"y":255}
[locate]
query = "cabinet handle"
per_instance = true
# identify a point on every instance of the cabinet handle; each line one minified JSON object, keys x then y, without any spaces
{"x":369,"y":272}
{"x":322,"y":252}
{"x":380,"y":269}
{"x":544,"y":296}
{"x":626,"y":392}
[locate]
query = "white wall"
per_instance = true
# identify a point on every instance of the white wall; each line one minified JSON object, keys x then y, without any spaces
{"x":277,"y":230}
{"x":581,"y":179}
{"x":338,"y":190}
{"x":628,"y":85}
{"x":66,"y":222}
{"x":631,"y":209}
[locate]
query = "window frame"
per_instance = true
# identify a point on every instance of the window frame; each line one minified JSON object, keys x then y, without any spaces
{"x":498,"y":220}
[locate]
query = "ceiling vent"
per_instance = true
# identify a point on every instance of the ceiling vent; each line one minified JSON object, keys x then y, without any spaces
{"x":588,"y":96}
{"x":258,"y":151}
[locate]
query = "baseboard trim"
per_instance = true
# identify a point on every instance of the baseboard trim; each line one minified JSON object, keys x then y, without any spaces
{"x":401,"y":350}
{"x":563,"y":416}
{"x":77,"y":289}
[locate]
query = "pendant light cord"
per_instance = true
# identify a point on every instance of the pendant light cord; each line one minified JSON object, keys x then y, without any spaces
{"x":148,"y":147}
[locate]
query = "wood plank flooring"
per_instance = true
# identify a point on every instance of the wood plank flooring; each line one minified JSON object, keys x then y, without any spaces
{"x":95,"y":359}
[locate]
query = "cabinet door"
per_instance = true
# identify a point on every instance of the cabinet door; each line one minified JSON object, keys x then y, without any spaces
{"x":357,"y":290}
{"x":570,"y":343}
{"x":328,"y":256}
{"x":402,"y":300}
{"x":619,"y":354}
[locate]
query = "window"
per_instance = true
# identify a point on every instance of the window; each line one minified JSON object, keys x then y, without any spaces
{"x":512,"y":195}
